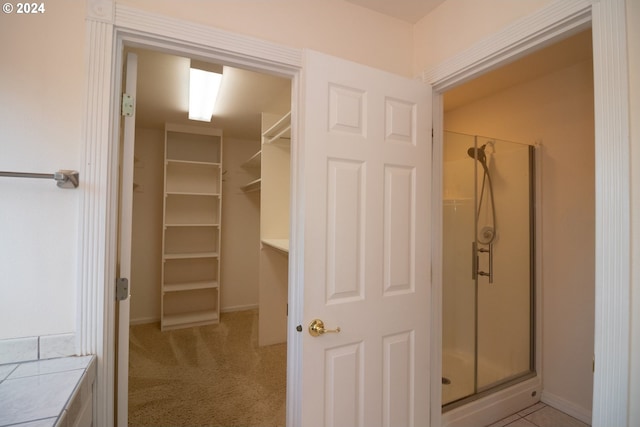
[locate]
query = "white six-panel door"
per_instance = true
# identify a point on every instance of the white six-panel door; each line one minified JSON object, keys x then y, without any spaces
{"x":367,"y":157}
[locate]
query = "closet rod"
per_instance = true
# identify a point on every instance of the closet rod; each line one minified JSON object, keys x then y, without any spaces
{"x":64,"y":178}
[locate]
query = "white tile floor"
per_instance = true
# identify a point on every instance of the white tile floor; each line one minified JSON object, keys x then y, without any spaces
{"x":539,"y":415}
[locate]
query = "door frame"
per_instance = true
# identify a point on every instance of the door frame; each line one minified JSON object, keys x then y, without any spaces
{"x":260,"y":61}
{"x":109,"y":28}
{"x":108,"y":23}
{"x":612,"y":184}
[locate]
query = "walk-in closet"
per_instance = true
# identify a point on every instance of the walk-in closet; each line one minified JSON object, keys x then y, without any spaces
{"x":210,"y":248}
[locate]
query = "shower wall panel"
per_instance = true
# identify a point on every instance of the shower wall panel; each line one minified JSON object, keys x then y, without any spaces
{"x":504,"y":305}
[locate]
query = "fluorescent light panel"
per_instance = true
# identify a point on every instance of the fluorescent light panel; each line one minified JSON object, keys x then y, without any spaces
{"x":203,"y":92}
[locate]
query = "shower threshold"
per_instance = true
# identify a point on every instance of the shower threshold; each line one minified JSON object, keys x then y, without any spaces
{"x":487,"y":390}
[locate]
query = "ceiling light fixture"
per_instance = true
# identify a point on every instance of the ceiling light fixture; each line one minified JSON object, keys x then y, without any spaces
{"x":203,"y":91}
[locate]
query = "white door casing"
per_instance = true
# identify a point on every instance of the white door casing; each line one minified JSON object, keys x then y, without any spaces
{"x":367,"y":182}
{"x":124,"y":247}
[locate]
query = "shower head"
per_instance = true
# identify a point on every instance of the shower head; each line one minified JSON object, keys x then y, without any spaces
{"x":477,"y":154}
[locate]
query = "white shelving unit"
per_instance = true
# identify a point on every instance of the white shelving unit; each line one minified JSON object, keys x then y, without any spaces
{"x":275,"y":176}
{"x":279,"y":132}
{"x":190,"y":288}
{"x":252,"y":186}
{"x":279,"y":244}
{"x":254,"y":162}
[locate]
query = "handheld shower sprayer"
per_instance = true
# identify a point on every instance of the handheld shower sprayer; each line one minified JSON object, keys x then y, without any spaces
{"x":488,"y":233}
{"x":478,"y":154}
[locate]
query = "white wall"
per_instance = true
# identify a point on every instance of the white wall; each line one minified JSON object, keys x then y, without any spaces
{"x":42,"y":87}
{"x":556,"y":109}
{"x":240,"y":229}
{"x":146,"y":234}
{"x":456,"y":25}
{"x":332,"y":26}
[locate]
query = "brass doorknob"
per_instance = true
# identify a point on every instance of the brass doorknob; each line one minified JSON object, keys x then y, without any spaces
{"x":316,"y":328}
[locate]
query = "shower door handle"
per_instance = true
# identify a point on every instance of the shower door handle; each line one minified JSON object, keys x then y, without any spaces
{"x":474,"y":260}
{"x":475,"y":263}
{"x":488,"y":251}
{"x":490,"y":263}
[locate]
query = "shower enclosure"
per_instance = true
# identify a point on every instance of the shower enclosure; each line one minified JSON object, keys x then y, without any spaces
{"x":488,"y":281}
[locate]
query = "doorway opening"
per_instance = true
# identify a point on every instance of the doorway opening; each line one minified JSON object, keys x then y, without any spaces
{"x":182,"y":258}
{"x":544,"y":100}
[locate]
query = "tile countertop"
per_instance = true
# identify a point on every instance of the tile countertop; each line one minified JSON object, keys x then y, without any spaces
{"x":39,"y":393}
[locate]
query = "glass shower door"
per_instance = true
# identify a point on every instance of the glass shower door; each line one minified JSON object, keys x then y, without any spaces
{"x":505,"y":298}
{"x":488,"y":265}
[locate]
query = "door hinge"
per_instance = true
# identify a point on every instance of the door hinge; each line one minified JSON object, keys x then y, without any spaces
{"x":128,"y":105}
{"x":122,"y":288}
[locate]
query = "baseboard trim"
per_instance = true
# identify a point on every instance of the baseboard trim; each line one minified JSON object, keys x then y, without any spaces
{"x":240,"y":308}
{"x":143,"y":321}
{"x":147,"y":320}
{"x":569,"y":408}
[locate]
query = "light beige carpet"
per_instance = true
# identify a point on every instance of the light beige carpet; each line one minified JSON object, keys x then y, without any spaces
{"x":206,"y":376}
